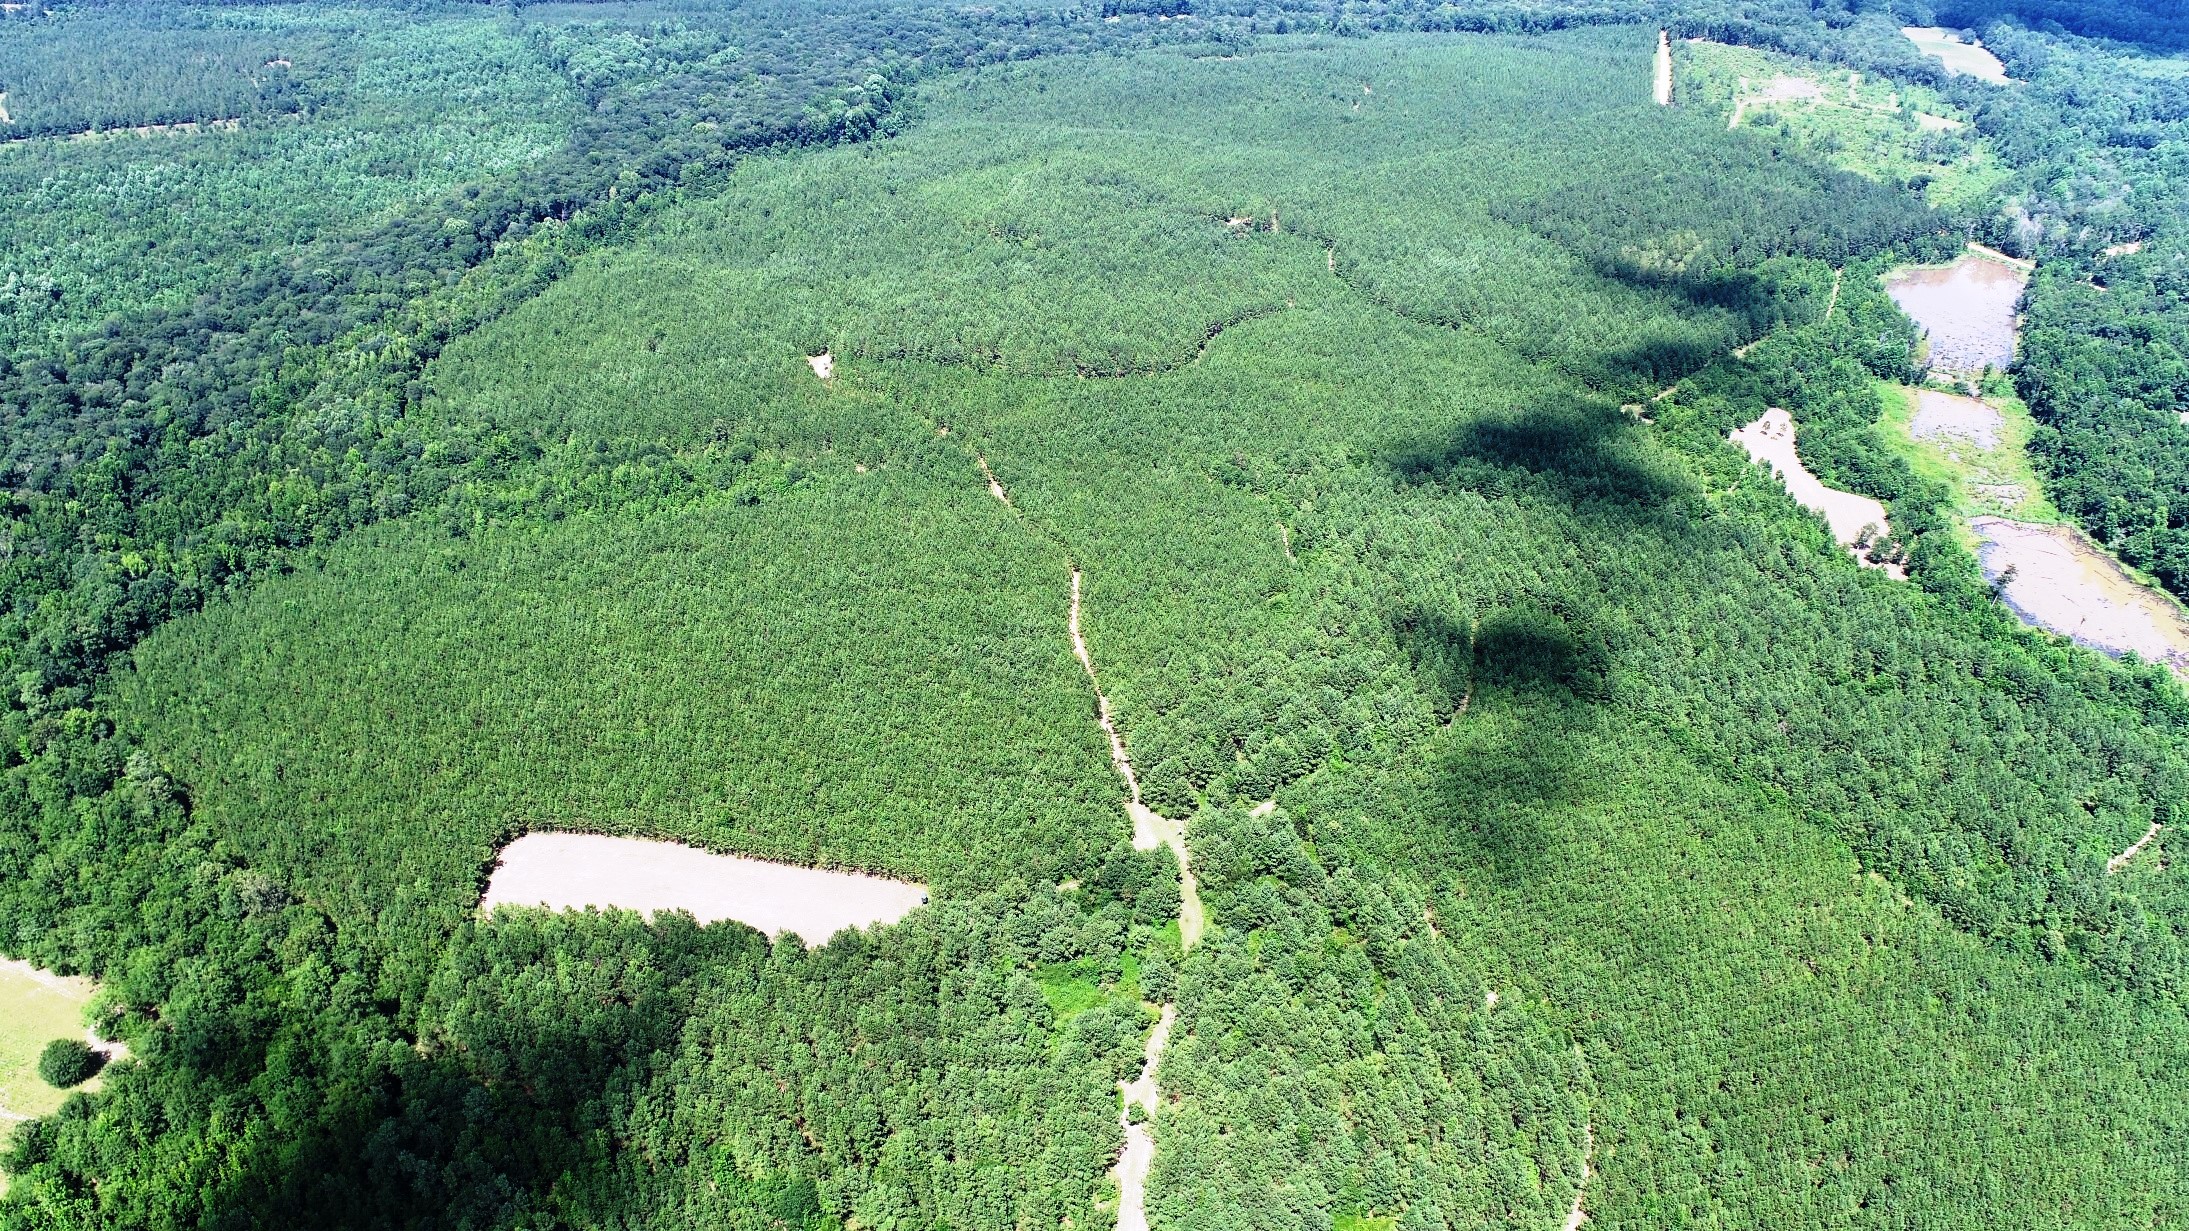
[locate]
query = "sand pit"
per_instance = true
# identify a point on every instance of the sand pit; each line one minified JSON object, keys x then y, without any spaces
{"x":571,"y":871}
{"x":1942,"y":416}
{"x":1967,"y":309}
{"x":823,"y":365}
{"x":2131,"y":248}
{"x":1962,"y":58}
{"x":2064,"y":582}
{"x":1770,"y":440}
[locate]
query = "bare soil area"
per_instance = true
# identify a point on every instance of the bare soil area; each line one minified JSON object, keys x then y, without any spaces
{"x":1962,"y":58}
{"x":2117,"y":862}
{"x":571,"y":871}
{"x":1139,"y":1154}
{"x":1661,"y":85}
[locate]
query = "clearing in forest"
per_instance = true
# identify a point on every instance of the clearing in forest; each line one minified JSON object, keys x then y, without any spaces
{"x":36,"y":1007}
{"x":1872,"y":127}
{"x":574,"y":871}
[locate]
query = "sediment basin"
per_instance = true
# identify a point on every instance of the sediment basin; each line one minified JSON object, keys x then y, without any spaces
{"x":2064,"y":582}
{"x":1967,"y":309}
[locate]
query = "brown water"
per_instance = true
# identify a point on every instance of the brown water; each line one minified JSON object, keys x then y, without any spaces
{"x":2064,"y":582}
{"x":1967,"y":309}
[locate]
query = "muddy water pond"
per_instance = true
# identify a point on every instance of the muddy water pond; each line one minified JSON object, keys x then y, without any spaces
{"x":571,"y":871}
{"x":1962,"y":57}
{"x":1770,"y":440}
{"x":1942,"y":416}
{"x":2062,"y":581}
{"x":1966,"y":308}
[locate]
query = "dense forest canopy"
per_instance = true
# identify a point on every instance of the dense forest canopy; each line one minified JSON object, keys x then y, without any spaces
{"x":432,"y":455}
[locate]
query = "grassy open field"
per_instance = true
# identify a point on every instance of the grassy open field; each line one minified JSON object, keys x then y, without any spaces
{"x":35,"y":1008}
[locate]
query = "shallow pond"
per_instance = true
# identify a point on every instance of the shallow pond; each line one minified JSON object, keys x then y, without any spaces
{"x":2064,"y":582}
{"x":1944,"y":416}
{"x":1961,"y":57}
{"x":571,"y":871}
{"x":1770,"y":440}
{"x":1967,"y":309}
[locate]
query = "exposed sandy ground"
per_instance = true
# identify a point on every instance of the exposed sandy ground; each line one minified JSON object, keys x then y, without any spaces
{"x":2117,"y":862}
{"x":1770,"y":440}
{"x":1132,"y":1165}
{"x":570,"y":871}
{"x":823,"y":365}
{"x":1967,"y":308}
{"x":1662,"y":78}
{"x":1833,"y":302}
{"x":2064,"y":582}
{"x":2131,"y":248}
{"x":1940,"y":415}
{"x":1936,"y":123}
{"x":1150,"y":828}
{"x":5,"y":118}
{"x":2014,"y":262}
{"x":1971,"y":58}
{"x":1263,"y":808}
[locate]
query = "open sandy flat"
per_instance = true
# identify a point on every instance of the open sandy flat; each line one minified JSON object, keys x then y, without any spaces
{"x":571,"y":871}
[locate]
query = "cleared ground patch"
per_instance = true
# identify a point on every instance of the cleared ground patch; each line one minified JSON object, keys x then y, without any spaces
{"x":572,"y":871}
{"x":36,"y":1007}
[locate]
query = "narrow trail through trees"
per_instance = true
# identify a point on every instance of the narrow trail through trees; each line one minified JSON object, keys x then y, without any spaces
{"x":1578,"y":1214}
{"x":1150,"y":829}
{"x":2117,"y":862}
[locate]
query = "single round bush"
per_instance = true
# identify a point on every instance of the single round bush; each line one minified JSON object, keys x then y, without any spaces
{"x":68,"y":1062}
